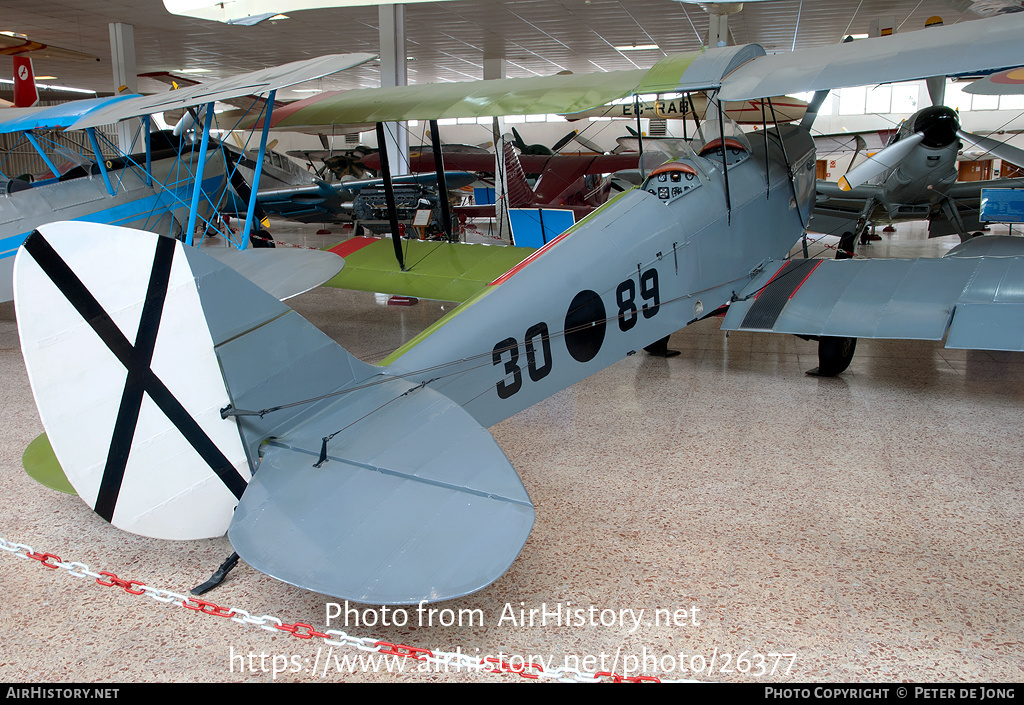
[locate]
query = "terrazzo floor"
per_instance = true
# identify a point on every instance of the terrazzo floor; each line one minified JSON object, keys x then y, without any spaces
{"x":790,"y":528}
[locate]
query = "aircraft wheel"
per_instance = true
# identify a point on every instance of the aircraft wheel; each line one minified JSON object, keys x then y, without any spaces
{"x":261,"y":238}
{"x":834,"y":355}
{"x":847,"y":242}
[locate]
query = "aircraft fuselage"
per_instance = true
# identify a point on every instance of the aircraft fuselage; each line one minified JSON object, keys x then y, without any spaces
{"x":924,"y":176}
{"x":639,"y":268}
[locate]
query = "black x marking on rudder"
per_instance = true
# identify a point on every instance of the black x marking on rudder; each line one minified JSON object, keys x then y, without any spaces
{"x":137,"y":358}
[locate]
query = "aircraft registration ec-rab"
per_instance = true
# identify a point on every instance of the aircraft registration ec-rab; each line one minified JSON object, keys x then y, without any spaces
{"x":347,"y":478}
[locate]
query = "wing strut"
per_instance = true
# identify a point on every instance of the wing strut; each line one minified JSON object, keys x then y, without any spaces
{"x":389,"y":194}
{"x":767,"y":163}
{"x":442,"y":183}
{"x":789,"y":174}
{"x":250,"y":213}
{"x":198,"y":188}
{"x":725,"y":161}
{"x":639,"y":134}
{"x":42,"y":153}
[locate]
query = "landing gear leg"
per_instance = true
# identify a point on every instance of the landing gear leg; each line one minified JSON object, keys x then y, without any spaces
{"x":659,"y":348}
{"x":834,"y":355}
{"x":847,"y":242}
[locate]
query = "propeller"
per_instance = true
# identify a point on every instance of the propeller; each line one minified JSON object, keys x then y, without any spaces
{"x":935,"y":127}
{"x":995,"y":147}
{"x":589,"y":144}
{"x":881,"y":161}
{"x":565,"y":140}
{"x":349,"y":162}
{"x":860,"y":145}
{"x":540,"y":149}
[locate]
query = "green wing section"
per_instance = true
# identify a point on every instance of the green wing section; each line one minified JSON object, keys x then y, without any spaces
{"x":41,"y":465}
{"x":434,"y":270}
{"x":507,"y":96}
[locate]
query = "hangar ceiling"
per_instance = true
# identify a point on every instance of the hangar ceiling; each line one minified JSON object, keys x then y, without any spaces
{"x":447,"y":41}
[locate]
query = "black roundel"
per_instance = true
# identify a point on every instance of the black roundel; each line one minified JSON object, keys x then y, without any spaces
{"x":584,"y":326}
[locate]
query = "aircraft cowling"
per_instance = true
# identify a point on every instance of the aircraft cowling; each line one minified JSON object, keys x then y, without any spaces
{"x":939,"y":125}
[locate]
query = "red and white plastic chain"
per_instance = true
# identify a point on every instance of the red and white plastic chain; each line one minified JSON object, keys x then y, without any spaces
{"x":331,"y":637}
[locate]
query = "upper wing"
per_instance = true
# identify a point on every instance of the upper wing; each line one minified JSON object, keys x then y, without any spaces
{"x":15,"y":45}
{"x":976,"y":299}
{"x":92,"y":112}
{"x":253,"y":83}
{"x":740,"y":72}
{"x":936,"y":51}
{"x":53,"y":116}
{"x":510,"y":96}
{"x":522,"y":96}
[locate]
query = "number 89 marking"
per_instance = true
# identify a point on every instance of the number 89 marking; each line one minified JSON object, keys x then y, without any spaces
{"x":625,"y":295}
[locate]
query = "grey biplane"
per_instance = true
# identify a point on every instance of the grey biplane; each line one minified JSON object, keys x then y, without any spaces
{"x":172,"y":185}
{"x":351,"y":479}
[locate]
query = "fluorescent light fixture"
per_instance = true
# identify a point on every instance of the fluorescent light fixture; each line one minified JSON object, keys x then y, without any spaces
{"x":637,"y":47}
{"x":256,"y":11}
{"x":193,"y":71}
{"x":56,"y":88}
{"x":307,"y":90}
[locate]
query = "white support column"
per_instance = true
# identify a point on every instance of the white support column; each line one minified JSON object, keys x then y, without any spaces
{"x":122,"y":56}
{"x":393,"y":73}
{"x":718,"y":22}
{"x":495,"y":68}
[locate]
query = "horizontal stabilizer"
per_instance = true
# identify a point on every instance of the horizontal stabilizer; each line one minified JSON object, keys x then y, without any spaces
{"x":406,"y":471}
{"x":920,"y":299}
{"x":281,"y":272}
{"x":415,"y":501}
{"x":989,"y":246}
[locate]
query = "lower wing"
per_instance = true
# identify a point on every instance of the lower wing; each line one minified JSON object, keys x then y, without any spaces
{"x":974,"y":297}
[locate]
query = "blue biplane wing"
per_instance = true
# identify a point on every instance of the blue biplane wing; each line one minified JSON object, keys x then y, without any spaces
{"x":92,"y":112}
{"x":54,"y":116}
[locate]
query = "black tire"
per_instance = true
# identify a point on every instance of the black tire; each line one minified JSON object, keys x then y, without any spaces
{"x":847,"y":243}
{"x":834,"y":355}
{"x":261,"y":238}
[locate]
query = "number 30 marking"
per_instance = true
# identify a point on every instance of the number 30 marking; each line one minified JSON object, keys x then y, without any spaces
{"x":506,"y":387}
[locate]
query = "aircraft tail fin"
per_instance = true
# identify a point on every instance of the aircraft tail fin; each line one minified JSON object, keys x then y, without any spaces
{"x":25,"y":92}
{"x":136,"y":428}
{"x":517,"y":188}
{"x":164,"y":389}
